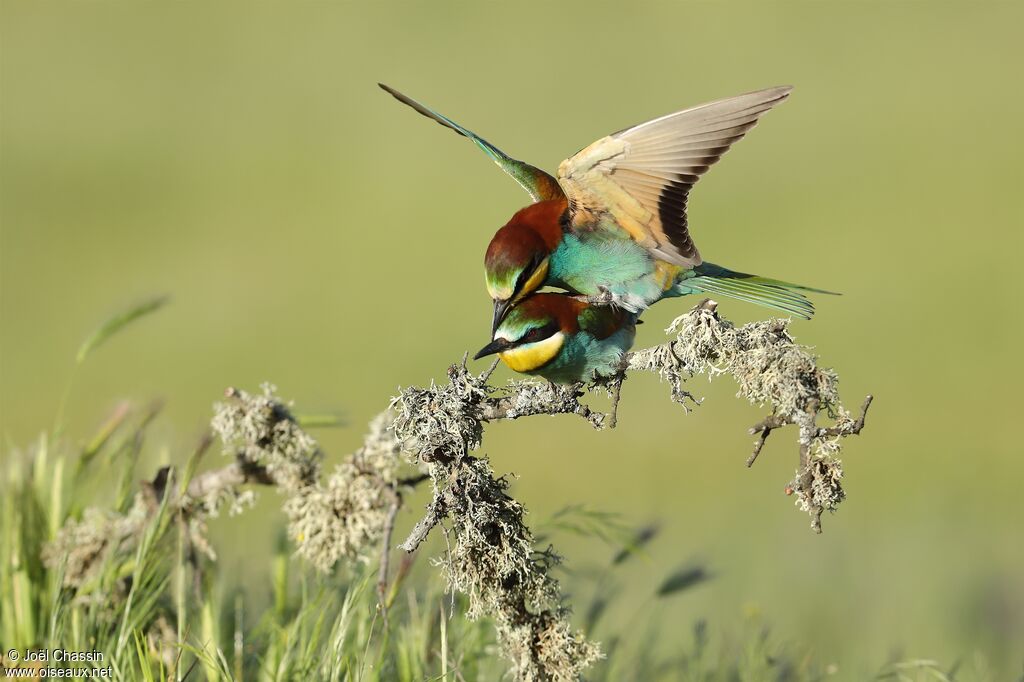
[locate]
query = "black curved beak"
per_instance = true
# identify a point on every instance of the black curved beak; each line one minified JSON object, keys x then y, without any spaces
{"x":493,"y":347}
{"x":500,"y":308}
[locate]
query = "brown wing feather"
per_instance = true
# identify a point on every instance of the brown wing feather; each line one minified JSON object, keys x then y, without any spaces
{"x":639,"y":179}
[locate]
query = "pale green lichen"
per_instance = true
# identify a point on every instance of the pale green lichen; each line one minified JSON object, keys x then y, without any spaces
{"x":438,"y":420}
{"x":772,"y":370}
{"x":261,"y":430}
{"x":342,"y":518}
{"x":769,"y":366}
{"x":491,"y":555}
{"x":345,"y":518}
{"x":234,"y":499}
{"x":825,"y":489}
{"x":85,"y":545}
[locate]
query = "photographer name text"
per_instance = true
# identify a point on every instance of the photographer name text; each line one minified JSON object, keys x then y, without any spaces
{"x":51,"y":663}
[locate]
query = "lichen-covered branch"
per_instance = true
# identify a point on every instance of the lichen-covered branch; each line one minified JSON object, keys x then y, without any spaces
{"x":772,"y":370}
{"x":491,"y":556}
{"x":343,"y":517}
{"x":494,"y":562}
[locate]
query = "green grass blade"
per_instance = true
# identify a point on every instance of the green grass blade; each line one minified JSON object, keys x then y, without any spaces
{"x":117,"y":323}
{"x":683,"y":579}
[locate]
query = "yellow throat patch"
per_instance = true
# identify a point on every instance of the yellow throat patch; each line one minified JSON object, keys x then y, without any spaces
{"x":532,"y":356}
{"x":535,"y":281}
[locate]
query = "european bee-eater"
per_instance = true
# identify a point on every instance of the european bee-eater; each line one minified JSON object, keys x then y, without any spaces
{"x":613,"y":225}
{"x":563,"y":339}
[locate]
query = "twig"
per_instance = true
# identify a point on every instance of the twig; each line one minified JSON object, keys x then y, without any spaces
{"x":854,"y":428}
{"x":614,"y":387}
{"x":229,"y":477}
{"x":764,"y":427}
{"x":435,"y":513}
{"x":616,"y":393}
{"x":385,"y":552}
{"x":412,"y":481}
{"x":528,"y":400}
{"x":489,"y":371}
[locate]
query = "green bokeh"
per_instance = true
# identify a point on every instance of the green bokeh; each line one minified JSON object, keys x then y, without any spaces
{"x":313,"y":232}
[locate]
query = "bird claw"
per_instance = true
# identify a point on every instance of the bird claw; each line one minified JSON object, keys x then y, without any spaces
{"x":604,"y":298}
{"x":613,"y":385}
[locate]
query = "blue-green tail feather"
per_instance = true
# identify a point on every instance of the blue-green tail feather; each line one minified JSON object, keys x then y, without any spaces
{"x":783,"y":296}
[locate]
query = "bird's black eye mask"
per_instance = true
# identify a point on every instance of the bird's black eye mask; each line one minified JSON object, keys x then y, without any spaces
{"x":537,"y":334}
{"x":500,"y":345}
{"x":527,"y":273}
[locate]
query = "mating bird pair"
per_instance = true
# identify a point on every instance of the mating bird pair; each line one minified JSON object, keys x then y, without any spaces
{"x":611,"y":232}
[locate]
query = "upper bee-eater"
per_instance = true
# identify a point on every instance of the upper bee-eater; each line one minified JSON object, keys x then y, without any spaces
{"x":613,"y":225}
{"x":562,"y":338}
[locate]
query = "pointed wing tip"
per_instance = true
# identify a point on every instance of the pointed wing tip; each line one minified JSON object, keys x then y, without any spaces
{"x":772,"y":93}
{"x":777,"y":93}
{"x":822,"y":291}
{"x":771,"y":96}
{"x":406,"y":100}
{"x":395,"y":93}
{"x":429,"y":113}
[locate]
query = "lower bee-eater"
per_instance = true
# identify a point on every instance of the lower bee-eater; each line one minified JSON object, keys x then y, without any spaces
{"x":563,"y":339}
{"x":613,"y":225}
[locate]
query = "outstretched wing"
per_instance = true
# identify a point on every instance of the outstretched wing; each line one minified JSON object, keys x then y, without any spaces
{"x":539,"y":184}
{"x":641,"y":177}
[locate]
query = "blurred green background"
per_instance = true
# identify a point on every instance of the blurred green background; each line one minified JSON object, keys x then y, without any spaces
{"x":315,"y":233}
